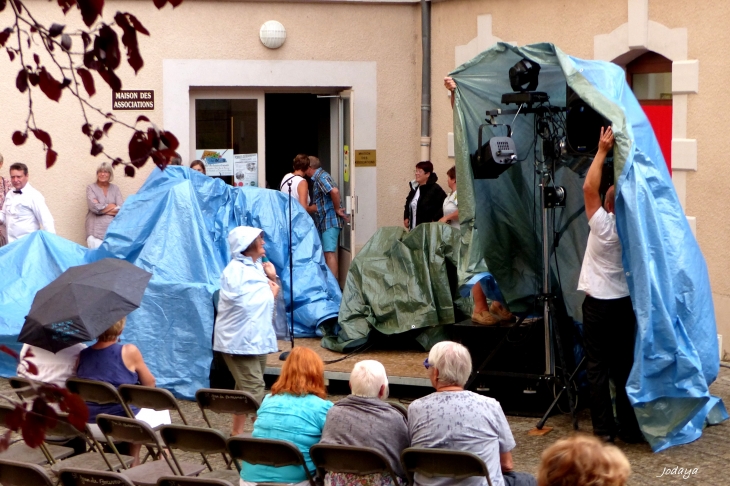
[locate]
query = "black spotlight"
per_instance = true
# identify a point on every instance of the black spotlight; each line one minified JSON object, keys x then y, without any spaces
{"x":523,"y":75}
{"x":494,"y":157}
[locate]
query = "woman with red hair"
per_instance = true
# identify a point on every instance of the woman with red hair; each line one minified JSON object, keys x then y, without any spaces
{"x":295,"y":411}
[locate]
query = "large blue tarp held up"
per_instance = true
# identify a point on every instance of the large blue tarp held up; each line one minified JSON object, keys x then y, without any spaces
{"x":676,"y":352}
{"x":176,"y":227}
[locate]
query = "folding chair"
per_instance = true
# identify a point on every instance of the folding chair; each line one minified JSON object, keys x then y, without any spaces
{"x":150,"y":397}
{"x":203,"y":441}
{"x":178,"y":481}
{"x":98,"y":392}
{"x":20,"y":452}
{"x":14,"y":473}
{"x":268,"y":452}
{"x":400,"y":407}
{"x":18,"y":383}
{"x":442,"y":463}
{"x":225,"y":401}
{"x":87,"y":477}
{"x":349,"y":459}
{"x":138,"y":432}
{"x":96,"y":459}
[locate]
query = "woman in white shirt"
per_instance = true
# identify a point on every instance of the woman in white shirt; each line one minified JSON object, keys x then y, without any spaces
{"x":299,"y":186}
{"x":451,"y":205}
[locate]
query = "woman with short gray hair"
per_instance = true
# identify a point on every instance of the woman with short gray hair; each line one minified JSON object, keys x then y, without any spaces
{"x":454,"y":418}
{"x":364,"y":419}
{"x":104,"y":200}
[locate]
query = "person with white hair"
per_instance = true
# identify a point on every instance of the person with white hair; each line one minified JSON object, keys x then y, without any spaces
{"x":244,"y":331}
{"x":364,"y":419}
{"x":454,"y":418}
{"x":104,"y":200}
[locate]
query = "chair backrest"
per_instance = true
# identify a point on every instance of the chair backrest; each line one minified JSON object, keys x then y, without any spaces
{"x":443,"y":463}
{"x":267,"y":452}
{"x":225,"y":401}
{"x":87,"y":477}
{"x":193,"y":439}
{"x":125,"y":429}
{"x":350,"y":459}
{"x":13,"y":473}
{"x":19,"y":383}
{"x":150,"y":397}
{"x":187,"y":481}
{"x":400,"y":407}
{"x":97,"y":392}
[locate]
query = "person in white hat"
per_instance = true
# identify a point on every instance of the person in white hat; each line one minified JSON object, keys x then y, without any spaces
{"x":244,"y":331}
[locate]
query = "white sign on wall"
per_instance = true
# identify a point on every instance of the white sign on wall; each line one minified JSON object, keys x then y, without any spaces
{"x":245,"y":170}
{"x":218,"y":162}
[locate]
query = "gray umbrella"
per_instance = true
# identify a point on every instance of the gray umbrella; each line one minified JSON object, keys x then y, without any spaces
{"x":82,"y":303}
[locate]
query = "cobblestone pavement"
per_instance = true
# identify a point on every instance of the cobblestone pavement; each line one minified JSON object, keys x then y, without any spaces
{"x":710,"y":454}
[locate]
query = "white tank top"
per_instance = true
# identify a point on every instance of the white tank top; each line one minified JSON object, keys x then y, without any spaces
{"x":295,"y":180}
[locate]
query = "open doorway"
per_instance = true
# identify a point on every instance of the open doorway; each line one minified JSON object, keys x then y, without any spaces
{"x":295,"y":123}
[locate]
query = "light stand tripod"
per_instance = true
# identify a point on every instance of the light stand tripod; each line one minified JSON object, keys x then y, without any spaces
{"x":285,"y":354}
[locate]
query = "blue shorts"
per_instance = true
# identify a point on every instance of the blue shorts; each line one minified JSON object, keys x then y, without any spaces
{"x":330,"y":239}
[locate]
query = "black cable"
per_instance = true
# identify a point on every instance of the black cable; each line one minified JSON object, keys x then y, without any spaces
{"x":360,"y":349}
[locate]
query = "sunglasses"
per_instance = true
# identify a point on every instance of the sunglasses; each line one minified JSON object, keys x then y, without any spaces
{"x":426,"y":364}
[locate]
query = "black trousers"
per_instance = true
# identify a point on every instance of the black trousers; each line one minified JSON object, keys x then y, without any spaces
{"x":609,"y":332}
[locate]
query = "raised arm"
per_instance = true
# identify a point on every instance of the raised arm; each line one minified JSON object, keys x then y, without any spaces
{"x":450,"y":84}
{"x":592,"y":183}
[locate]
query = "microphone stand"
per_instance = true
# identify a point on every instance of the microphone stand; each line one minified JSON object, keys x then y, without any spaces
{"x":285,"y":354}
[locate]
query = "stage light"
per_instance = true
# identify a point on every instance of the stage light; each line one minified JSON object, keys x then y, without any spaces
{"x":523,"y":75}
{"x":493,"y":157}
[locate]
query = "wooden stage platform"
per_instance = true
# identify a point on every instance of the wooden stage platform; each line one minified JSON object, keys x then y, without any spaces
{"x":402,"y":367}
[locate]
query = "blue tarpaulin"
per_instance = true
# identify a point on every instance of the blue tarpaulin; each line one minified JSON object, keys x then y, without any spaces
{"x":676,"y":352}
{"x":176,"y":227}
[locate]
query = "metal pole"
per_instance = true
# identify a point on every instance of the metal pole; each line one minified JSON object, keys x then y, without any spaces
{"x":549,"y":361}
{"x":426,"y":80}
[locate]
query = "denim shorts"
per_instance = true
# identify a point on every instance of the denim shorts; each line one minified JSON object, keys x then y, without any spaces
{"x":330,"y":239}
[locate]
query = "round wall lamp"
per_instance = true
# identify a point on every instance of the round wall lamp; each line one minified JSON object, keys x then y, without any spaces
{"x":272,"y":34}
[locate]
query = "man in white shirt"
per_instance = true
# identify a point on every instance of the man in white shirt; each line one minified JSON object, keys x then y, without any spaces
{"x":609,"y":323}
{"x":25,"y":209}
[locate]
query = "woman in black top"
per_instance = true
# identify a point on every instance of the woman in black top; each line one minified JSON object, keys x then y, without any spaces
{"x":424,"y":203}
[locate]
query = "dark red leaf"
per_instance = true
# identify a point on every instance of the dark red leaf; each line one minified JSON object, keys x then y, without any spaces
{"x":33,"y":29}
{"x":66,"y":42}
{"x":44,"y":412}
{"x":137,"y":24}
{"x":111,"y":79}
{"x":175,"y":3}
{"x":49,"y":85}
{"x":4,"y":35}
{"x":18,"y":5}
{"x":65,"y":83}
{"x":36,"y":59}
{"x":4,"y":348}
{"x":33,"y":430}
{"x":5,"y":440}
{"x":51,"y":157}
{"x":169,"y":140}
{"x":90,"y":10}
{"x":117,"y":161}
{"x":108,"y":126}
{"x":29,"y":353}
{"x":96,"y":148}
{"x":11,"y":55}
{"x":142,"y":118}
{"x":74,"y":405}
{"x":129,"y":171}
{"x":21,"y":82}
{"x":98,"y":134}
{"x":86,"y":38}
{"x":42,"y":136}
{"x":86,"y":129}
{"x":159,"y":3}
{"x":32,"y":368}
{"x":56,"y":30}
{"x":15,"y":418}
{"x":139,"y":148}
{"x":19,"y":138}
{"x":129,"y":39}
{"x":34,"y":79}
{"x":3,"y":4}
{"x":66,"y":5}
{"x":88,"y":81}
{"x":106,"y":48}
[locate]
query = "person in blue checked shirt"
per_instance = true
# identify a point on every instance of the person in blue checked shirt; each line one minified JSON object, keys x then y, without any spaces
{"x":328,"y":214}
